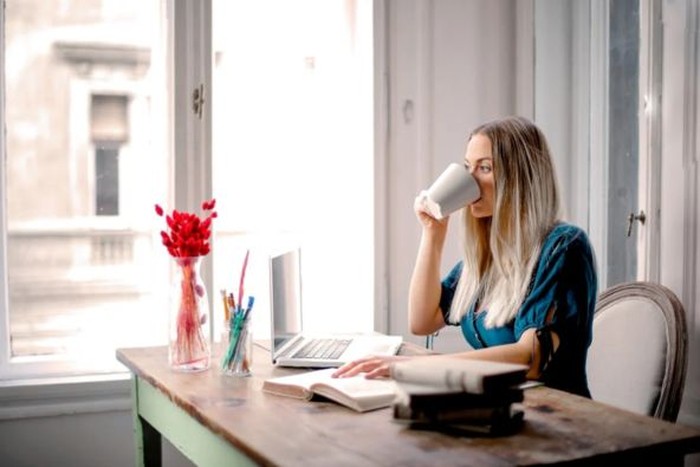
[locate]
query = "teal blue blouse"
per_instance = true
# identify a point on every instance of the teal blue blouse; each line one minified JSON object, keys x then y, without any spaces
{"x":564,"y":279}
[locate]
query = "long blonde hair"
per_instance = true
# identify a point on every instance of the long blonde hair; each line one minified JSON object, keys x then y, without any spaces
{"x":501,"y":251}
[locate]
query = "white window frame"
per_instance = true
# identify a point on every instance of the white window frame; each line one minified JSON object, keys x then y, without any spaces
{"x":187,"y":38}
{"x":649,"y":193}
{"x":4,"y":297}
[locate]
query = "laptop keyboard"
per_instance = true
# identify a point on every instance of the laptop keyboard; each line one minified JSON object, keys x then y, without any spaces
{"x":323,"y":348}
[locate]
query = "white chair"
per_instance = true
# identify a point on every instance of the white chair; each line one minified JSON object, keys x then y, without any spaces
{"x":638,"y":357}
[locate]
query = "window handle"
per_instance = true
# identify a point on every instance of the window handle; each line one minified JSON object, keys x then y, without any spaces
{"x":198,"y":100}
{"x":641,"y":217}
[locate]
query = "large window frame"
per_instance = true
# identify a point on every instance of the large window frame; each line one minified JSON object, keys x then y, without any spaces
{"x":186,"y":41}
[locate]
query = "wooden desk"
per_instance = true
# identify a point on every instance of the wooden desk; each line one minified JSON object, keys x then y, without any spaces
{"x":216,"y":420}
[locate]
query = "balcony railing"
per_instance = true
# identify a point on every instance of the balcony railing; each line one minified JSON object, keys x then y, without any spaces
{"x":86,"y":288}
{"x":65,"y":279}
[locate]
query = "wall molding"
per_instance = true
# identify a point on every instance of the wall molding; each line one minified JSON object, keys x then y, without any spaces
{"x":691,"y":211}
{"x":690,"y":161}
{"x":382,"y":315}
{"x":598,"y":125}
{"x":65,"y":396}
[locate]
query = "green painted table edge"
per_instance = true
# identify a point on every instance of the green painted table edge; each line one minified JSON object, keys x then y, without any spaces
{"x":190,"y":437}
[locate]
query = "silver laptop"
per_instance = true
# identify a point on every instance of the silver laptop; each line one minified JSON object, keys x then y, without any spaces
{"x":290,"y":346}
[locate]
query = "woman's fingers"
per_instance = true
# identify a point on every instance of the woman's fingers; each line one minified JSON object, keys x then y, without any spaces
{"x":350,"y":368}
{"x":372,"y":366}
{"x":381,"y":371}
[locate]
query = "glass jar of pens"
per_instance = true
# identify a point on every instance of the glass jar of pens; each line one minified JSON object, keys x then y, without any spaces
{"x":238,"y":354}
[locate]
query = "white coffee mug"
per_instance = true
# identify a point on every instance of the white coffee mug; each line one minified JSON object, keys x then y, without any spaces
{"x":452,"y":190}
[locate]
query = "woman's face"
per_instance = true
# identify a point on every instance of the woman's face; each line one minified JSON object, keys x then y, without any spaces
{"x":479,"y":161}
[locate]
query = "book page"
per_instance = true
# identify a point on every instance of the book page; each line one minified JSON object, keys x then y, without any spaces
{"x":297,"y":385}
{"x":358,"y":392}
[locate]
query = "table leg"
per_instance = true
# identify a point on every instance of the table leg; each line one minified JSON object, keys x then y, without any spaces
{"x":147,"y":439}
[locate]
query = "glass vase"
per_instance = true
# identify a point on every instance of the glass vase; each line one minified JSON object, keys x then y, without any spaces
{"x":189,"y":348}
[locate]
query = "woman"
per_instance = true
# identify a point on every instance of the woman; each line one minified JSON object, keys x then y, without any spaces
{"x":525,"y":290}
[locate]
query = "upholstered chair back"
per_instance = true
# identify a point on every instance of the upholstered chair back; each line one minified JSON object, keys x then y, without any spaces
{"x":638,"y":358}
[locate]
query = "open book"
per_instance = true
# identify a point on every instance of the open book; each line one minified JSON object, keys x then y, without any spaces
{"x":357,"y":392}
{"x":456,"y":374}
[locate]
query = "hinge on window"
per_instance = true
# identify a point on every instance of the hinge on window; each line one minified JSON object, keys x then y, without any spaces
{"x":198,"y":100}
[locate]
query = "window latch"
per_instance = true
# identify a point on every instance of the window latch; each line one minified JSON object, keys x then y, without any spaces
{"x":198,"y":100}
{"x":641,"y":217}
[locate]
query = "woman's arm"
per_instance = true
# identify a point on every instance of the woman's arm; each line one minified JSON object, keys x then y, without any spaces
{"x":525,"y":351}
{"x":424,"y":313}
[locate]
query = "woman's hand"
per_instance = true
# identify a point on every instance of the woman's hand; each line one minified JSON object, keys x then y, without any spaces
{"x":424,"y":216}
{"x":374,"y":366}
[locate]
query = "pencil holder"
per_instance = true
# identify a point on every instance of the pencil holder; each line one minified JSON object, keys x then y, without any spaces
{"x":238,"y":357}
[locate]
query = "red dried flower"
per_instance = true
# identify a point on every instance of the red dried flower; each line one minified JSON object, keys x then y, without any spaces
{"x":209,"y":205}
{"x":188,"y":234}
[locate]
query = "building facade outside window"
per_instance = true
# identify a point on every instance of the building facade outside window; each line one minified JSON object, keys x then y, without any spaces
{"x":82,"y":166}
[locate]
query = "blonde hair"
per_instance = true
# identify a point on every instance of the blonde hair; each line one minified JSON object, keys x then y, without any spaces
{"x":501,"y":251}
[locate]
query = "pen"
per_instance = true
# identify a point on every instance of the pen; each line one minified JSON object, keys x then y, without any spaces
{"x":226,"y":309}
{"x":251,"y":300}
{"x":240,"y":285}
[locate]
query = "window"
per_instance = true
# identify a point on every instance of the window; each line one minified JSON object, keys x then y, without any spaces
{"x":109,"y":131}
{"x":623,"y":140}
{"x":106,"y":178}
{"x":587,"y":98}
{"x":293,"y":157}
{"x":83,"y":93}
{"x":95,"y":139}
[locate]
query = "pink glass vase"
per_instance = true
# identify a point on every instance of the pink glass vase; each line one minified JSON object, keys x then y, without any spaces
{"x":189,"y":348}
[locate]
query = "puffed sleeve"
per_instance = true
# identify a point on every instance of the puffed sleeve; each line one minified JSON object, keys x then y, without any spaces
{"x":448,"y":288}
{"x":565,"y":281}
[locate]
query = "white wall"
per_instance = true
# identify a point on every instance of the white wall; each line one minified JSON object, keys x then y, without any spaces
{"x":81,"y":440}
{"x":680,"y":180}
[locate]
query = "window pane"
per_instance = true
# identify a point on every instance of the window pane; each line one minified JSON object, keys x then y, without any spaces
{"x":623,"y":140}
{"x":84,"y":169}
{"x":106,"y":180}
{"x":293,"y":149}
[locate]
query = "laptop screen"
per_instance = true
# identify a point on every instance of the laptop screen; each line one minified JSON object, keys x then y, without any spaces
{"x":285,"y":297}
